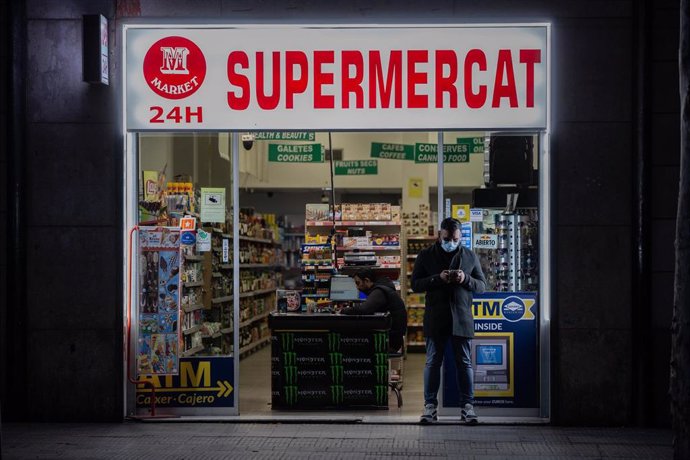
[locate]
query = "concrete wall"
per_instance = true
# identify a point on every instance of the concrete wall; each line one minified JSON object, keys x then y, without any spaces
{"x":73,"y":156}
{"x":664,"y":171}
{"x":5,"y":114}
{"x":74,"y":251}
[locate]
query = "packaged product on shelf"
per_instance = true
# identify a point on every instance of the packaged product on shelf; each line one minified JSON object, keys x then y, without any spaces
{"x":287,"y":300}
{"x":317,"y":212}
{"x":395,"y":214}
{"x":356,"y":241}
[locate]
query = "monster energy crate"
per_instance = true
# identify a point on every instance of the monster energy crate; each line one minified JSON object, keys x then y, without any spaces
{"x":365,"y":376}
{"x":320,"y":370}
{"x":331,"y":396}
{"x":358,"y":344}
{"x":305,"y":343}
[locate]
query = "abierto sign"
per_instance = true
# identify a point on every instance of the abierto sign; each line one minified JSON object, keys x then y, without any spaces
{"x":336,"y":77}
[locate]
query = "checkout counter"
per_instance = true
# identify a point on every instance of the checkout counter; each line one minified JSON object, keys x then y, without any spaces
{"x":327,"y":361}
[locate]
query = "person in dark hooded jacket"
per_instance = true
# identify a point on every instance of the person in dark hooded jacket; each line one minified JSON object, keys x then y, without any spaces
{"x":381,"y":297}
{"x":449,"y":274}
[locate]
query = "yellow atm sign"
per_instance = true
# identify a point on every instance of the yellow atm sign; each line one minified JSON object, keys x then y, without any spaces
{"x":512,"y":308}
{"x":202,"y":382}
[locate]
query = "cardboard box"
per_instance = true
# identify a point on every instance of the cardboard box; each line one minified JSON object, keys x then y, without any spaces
{"x":356,"y":242}
{"x":317,"y":211}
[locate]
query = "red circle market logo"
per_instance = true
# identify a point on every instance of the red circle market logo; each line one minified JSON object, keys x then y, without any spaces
{"x":174,"y":67}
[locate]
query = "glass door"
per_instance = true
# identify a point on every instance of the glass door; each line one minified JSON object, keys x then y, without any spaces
{"x":185,"y":283}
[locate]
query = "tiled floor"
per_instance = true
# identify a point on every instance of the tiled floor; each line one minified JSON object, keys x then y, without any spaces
{"x":255,"y":388}
{"x":131,"y":440}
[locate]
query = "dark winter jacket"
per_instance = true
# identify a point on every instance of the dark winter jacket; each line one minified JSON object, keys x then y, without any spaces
{"x":448,"y":306}
{"x":382,"y":298}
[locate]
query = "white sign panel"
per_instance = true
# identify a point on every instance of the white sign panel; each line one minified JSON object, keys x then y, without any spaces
{"x":476,"y":215}
{"x":212,"y":204}
{"x":336,"y":77}
{"x":485,"y":241}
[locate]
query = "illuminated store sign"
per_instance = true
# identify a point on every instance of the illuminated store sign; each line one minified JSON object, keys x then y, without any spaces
{"x":292,"y":78}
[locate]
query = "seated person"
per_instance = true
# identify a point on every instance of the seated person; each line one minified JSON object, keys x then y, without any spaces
{"x":381,"y":297}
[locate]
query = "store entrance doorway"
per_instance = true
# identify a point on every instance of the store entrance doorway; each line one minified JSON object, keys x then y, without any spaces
{"x":208,"y":274}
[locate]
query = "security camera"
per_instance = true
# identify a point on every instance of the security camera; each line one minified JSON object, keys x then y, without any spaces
{"x":247,"y":141}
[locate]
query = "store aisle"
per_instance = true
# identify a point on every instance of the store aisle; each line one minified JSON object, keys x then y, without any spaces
{"x":255,"y":388}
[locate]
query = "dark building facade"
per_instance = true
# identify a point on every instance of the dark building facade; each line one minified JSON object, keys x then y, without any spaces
{"x":615,"y":145}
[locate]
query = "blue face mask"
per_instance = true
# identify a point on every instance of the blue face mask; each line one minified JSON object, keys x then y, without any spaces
{"x":450,"y":246}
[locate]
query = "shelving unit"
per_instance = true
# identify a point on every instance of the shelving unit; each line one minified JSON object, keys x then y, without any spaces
{"x":260,"y":258}
{"x":192,"y":305}
{"x":317,"y":268}
{"x":414,"y":301}
{"x":378,"y":230}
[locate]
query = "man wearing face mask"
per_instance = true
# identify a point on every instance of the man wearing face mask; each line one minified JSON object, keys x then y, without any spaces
{"x":449,"y":274}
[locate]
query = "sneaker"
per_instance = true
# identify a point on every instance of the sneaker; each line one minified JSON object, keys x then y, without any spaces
{"x":430,"y":415}
{"x":468,"y":416}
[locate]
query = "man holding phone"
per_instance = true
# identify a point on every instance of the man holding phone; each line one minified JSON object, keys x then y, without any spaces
{"x":450,"y":274}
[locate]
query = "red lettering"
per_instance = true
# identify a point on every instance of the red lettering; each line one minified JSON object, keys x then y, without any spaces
{"x":529,"y":58}
{"x":156,"y":118}
{"x":352,"y":84}
{"x":267,"y":102}
{"x":240,"y":102}
{"x":446,"y":58}
{"x":504,"y":68}
{"x":393,"y":79}
{"x":478,"y":99}
{"x":294,"y":86}
{"x":414,"y":78}
{"x":323,"y":101}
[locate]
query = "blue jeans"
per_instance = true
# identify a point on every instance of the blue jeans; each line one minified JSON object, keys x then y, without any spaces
{"x":435,"y":347}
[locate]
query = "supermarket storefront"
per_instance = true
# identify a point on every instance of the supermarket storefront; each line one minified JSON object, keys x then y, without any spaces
{"x":227,"y":80}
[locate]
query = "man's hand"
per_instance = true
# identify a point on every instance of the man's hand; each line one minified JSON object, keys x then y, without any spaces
{"x":457,"y":276}
{"x":445,"y":276}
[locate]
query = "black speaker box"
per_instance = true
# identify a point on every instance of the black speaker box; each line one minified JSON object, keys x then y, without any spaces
{"x":510,"y":160}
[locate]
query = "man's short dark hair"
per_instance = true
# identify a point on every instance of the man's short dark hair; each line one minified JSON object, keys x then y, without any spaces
{"x":450,"y":225}
{"x":366,"y":273}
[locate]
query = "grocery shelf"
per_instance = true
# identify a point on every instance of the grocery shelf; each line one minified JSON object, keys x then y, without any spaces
{"x":217,"y":275}
{"x":192,"y":351}
{"x":191,"y":285}
{"x":212,"y":336}
{"x":191,"y":308}
{"x":369,"y":248}
{"x":317,"y":267}
{"x":415,"y":344}
{"x":416,"y":305}
{"x":242,"y":266}
{"x":349,"y":223}
{"x":373,"y":267}
{"x":412,"y":256}
{"x":415,"y":325}
{"x":217,"y":300}
{"x":255,"y":318}
{"x":255,"y":293}
{"x":194,"y":258}
{"x":256,"y":240}
{"x":225,"y":266}
{"x":191,"y":330}
{"x":226,"y":330}
{"x":421,"y":237}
